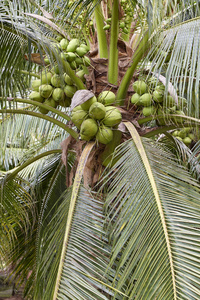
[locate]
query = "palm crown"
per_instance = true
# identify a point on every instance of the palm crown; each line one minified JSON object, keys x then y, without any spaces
{"x":96,"y":219}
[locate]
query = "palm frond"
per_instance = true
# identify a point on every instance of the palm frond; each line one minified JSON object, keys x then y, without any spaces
{"x":152,"y":260}
{"x":86,"y":255}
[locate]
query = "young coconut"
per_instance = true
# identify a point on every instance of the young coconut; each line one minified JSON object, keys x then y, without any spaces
{"x":86,"y":105}
{"x":97,"y":111}
{"x":58,"y":94}
{"x":135,"y":99}
{"x":106,"y":98}
{"x":104,"y":135}
{"x":113,"y":116}
{"x":35,"y":96}
{"x":89,"y":128}
{"x":56,"y":81}
{"x":145,"y":99}
{"x":46,"y":77}
{"x":78,"y":117}
{"x":69,"y":90}
{"x":46,"y":90}
{"x":140,"y":87}
{"x":35,"y":84}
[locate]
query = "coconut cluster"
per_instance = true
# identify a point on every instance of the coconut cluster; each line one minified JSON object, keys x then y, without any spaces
{"x":185,"y":135}
{"x":152,"y":99}
{"x":96,"y":118}
{"x":54,"y":88}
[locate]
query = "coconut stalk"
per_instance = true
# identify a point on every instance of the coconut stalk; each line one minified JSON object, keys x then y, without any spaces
{"x":113,"y":51}
{"x":101,"y":35}
{"x":137,"y":56}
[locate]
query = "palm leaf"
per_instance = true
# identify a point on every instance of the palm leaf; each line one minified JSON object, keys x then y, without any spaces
{"x":153,"y":217}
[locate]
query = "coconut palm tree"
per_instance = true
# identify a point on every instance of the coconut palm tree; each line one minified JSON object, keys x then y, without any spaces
{"x":84,"y":220}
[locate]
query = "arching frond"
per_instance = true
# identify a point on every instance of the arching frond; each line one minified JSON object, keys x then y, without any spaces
{"x":153,"y":214}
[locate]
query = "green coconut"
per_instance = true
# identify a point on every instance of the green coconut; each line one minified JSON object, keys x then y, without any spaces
{"x":70,"y":56}
{"x":73,"y":44}
{"x":55,"y":69}
{"x":106,"y":98}
{"x":81,"y":75}
{"x":97,"y":111}
{"x":67,"y":79}
{"x":78,"y":117}
{"x":104,"y":135}
{"x":69,"y":90}
{"x":78,"y":61}
{"x":187,"y":141}
{"x":182,"y":134}
{"x":85,"y":137}
{"x":35,"y":84}
{"x":51,"y":102}
{"x":65,"y":103}
{"x":58,"y":94}
{"x":158,"y":96}
{"x":148,"y":111}
{"x":56,"y":81}
{"x":64,"y":43}
{"x":35,"y":96}
{"x":170,"y":102}
{"x":135,"y":99}
{"x":46,"y":90}
{"x":89,"y":128}
{"x":191,"y":136}
{"x":113,"y":116}
{"x":175,"y":133}
{"x":86,"y":61}
{"x":140,"y":87}
{"x":81,"y":51}
{"x":46,"y":77}
{"x":145,"y":99}
{"x":78,"y":107}
{"x":86,"y":105}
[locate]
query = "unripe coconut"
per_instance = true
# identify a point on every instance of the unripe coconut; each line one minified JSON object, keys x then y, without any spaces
{"x":175,"y":133}
{"x":179,"y":138}
{"x":81,"y":51}
{"x":73,"y":65}
{"x":191,"y":136}
{"x":182,"y":134}
{"x":85,"y":137}
{"x":158,"y":96}
{"x":187,"y":141}
{"x":78,"y":117}
{"x":86,"y":105}
{"x":51,"y":102}
{"x":58,"y":94}
{"x":35,"y":84}
{"x":73,"y":44}
{"x":44,"y":111}
{"x":113,"y":116}
{"x":46,"y":77}
{"x":67,"y":79}
{"x":140,"y":87}
{"x":64,"y":43}
{"x":56,"y":81}
{"x":145,"y":99}
{"x":78,"y":107}
{"x":69,"y":90}
{"x":148,"y":111}
{"x":106,"y":97}
{"x":135,"y":99}
{"x":78,"y":61}
{"x":65,"y":103}
{"x":104,"y":135}
{"x":170,"y":101}
{"x":87,"y":61}
{"x":55,"y":69}
{"x":85,"y":46}
{"x":35,"y":96}
{"x":46,"y":60}
{"x":81,"y":75}
{"x":97,"y":111}
{"x":45,"y":90}
{"x":70,"y":56}
{"x":89,"y":127}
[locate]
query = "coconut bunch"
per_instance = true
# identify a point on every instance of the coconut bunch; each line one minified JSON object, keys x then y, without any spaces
{"x":153,"y":101}
{"x":185,"y":135}
{"x":54,"y":88}
{"x":96,"y":118}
